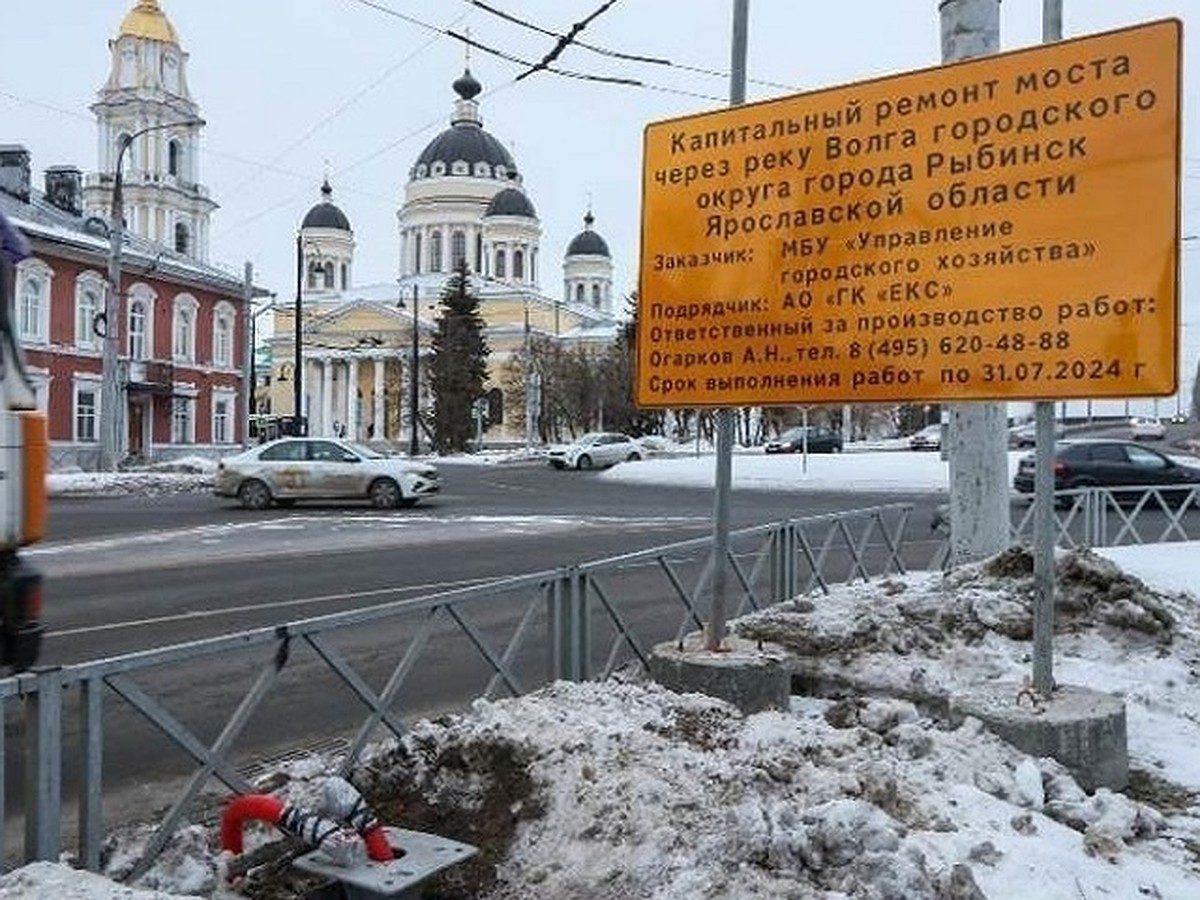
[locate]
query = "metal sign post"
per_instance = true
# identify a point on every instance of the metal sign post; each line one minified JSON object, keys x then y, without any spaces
{"x":1043,"y":484}
{"x":715,"y":633}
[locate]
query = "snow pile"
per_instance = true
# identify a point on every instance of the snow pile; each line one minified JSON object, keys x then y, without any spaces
{"x":48,"y":881}
{"x":192,"y":474}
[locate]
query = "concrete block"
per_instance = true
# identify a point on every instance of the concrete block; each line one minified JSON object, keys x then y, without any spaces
{"x":1080,"y":728}
{"x":750,"y":676}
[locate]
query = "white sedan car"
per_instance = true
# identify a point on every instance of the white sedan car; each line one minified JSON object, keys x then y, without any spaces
{"x":291,"y":469}
{"x":596,"y":449}
{"x":1146,"y":429}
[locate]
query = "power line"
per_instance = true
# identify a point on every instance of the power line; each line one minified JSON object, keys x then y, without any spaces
{"x":567,"y":39}
{"x":527,"y":64}
{"x":617,"y":54}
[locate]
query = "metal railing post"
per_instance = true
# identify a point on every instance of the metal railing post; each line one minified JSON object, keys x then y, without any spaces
{"x":91,"y":750}
{"x":43,"y":767}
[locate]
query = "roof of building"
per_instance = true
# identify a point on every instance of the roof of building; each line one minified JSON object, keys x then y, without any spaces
{"x":325,"y":214}
{"x":588,"y":242}
{"x":466,"y":140}
{"x":511,"y":202}
{"x":40,"y":219}
{"x":147,"y":20}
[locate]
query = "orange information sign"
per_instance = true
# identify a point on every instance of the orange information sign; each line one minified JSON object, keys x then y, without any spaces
{"x":1003,"y":228}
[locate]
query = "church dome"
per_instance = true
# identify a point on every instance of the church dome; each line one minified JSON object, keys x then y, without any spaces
{"x":147,"y":20}
{"x":511,"y":202}
{"x":465,"y":148}
{"x":587,"y":242}
{"x":325,"y":214}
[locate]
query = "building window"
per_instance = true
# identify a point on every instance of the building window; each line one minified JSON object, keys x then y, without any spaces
{"x":579,"y":293}
{"x":435,"y":252}
{"x":183,"y":424}
{"x":533,"y":264}
{"x":223,"y":336}
{"x":329,"y":275}
{"x":86,"y":413}
{"x":458,"y":250}
{"x":314,"y":274}
{"x":221,"y":432}
{"x":518,"y":264}
{"x":183,"y":240}
{"x":33,"y":300}
{"x":501,"y":264}
{"x":345,"y":276}
{"x":183,"y":331}
{"x":137,"y":330}
{"x":596,"y":296}
{"x":417,"y":254}
{"x":173,"y":158}
{"x":87,"y":306}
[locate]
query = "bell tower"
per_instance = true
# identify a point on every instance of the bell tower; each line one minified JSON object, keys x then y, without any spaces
{"x":146,"y":98}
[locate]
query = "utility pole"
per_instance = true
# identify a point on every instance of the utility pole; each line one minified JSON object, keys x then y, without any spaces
{"x":715,"y":632}
{"x":298,"y":360}
{"x":248,"y":373}
{"x":414,"y":402}
{"x":112,"y":397}
{"x":977,"y":439}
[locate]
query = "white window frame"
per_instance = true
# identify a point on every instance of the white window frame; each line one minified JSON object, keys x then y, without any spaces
{"x":224,"y":317}
{"x":89,"y":386}
{"x":141,"y":293}
{"x":229,"y":398}
{"x":183,"y":420}
{"x":34,"y":271}
{"x":85,"y":334}
{"x":183,"y":315}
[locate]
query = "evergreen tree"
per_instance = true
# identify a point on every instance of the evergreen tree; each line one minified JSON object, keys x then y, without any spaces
{"x":458,"y":368}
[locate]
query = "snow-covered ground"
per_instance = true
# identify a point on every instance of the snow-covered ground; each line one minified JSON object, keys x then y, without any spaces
{"x":624,"y":790}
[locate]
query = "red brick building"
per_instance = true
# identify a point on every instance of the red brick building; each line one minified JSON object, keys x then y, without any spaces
{"x":181,"y":329}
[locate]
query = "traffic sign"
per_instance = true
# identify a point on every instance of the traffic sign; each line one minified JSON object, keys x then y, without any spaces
{"x":1001,"y":228}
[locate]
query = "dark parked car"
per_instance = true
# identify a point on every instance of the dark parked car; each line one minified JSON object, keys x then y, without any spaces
{"x":820,"y":440}
{"x":1101,"y":463}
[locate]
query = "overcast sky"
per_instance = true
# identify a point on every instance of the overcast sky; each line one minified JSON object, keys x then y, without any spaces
{"x":292,"y":89}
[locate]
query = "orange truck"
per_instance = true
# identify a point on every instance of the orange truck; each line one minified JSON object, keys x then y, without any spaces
{"x":24,"y":456}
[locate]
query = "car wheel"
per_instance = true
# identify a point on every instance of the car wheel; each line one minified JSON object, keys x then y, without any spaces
{"x":254,"y":494}
{"x":633,"y":457}
{"x":384,"y":494}
{"x":584,"y":462}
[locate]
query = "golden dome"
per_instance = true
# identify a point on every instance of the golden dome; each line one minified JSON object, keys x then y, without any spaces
{"x":146,"y":20}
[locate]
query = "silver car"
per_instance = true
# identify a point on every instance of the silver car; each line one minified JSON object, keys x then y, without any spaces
{"x":594,"y":450}
{"x":290,"y":469}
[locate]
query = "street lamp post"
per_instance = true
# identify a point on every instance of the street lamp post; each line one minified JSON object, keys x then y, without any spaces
{"x":111,"y":419}
{"x":298,"y":361}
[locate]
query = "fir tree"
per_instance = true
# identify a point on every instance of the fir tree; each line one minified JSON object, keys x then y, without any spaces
{"x":458,"y":368}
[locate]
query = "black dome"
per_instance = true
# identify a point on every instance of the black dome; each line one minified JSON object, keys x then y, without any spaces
{"x":467,"y":142}
{"x":325,"y":214}
{"x":511,"y":202}
{"x":587,"y":242}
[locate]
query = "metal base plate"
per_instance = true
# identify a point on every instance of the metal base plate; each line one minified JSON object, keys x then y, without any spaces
{"x":423,"y":855}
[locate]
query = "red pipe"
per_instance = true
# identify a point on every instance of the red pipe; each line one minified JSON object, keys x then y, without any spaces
{"x":378,"y":847}
{"x":260,"y":807}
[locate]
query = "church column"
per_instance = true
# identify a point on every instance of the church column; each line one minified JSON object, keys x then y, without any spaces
{"x":352,"y":400}
{"x":377,"y":411}
{"x":326,"y":397}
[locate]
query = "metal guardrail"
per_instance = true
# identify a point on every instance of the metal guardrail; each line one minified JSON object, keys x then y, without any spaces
{"x":1114,"y":516}
{"x":1107,"y":517}
{"x":577,"y":622}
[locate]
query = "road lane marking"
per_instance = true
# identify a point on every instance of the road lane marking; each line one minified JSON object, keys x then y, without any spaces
{"x":193,"y":615}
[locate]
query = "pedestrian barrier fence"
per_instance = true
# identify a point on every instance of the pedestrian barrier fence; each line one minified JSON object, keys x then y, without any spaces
{"x":1103,"y":517}
{"x":507,"y":636}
